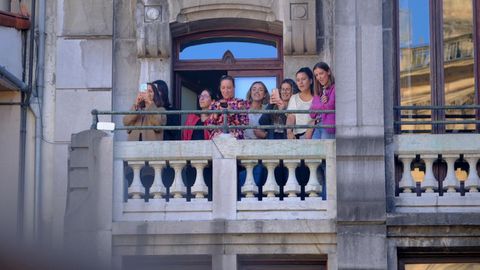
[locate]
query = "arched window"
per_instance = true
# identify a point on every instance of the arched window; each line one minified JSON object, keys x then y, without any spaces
{"x":200,"y":59}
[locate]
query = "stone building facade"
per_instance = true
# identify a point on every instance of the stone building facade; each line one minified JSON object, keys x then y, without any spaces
{"x":75,"y":195}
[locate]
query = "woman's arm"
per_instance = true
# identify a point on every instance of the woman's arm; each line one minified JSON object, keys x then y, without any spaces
{"x":155,"y":119}
{"x":130,"y":119}
{"x":316,"y":105}
{"x":290,"y":121}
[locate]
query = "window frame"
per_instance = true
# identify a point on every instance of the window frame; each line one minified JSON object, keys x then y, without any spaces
{"x":435,"y":256}
{"x":437,"y":75}
{"x":237,"y":67}
{"x":219,"y":64}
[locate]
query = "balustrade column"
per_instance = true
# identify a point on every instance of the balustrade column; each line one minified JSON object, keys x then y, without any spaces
{"x":271,"y":187}
{"x":292,"y":188}
{"x":473,"y":181}
{"x":178,"y":187}
{"x":313,"y":187}
{"x":450,"y":182}
{"x":158,"y":189}
{"x":429,"y":182}
{"x":406,"y":183}
{"x":136,"y":190}
{"x":199,"y":189}
{"x":249,"y":188}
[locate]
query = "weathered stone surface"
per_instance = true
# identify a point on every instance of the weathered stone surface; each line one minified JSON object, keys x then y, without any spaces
{"x":152,"y":29}
{"x":84,"y":63}
{"x":191,"y":10}
{"x":300,"y":28}
{"x":88,"y":216}
{"x":362,"y":247}
{"x":74,"y":108}
{"x":432,"y":219}
{"x":437,"y":144}
{"x":124,"y":19}
{"x":98,"y":12}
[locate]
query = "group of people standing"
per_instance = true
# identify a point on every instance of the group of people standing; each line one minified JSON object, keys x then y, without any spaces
{"x":311,"y":90}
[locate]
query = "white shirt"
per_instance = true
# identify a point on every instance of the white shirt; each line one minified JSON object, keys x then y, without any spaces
{"x":252,"y":120}
{"x":296,"y":103}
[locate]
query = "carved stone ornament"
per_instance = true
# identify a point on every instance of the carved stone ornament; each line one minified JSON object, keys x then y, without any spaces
{"x":300,"y":28}
{"x":152,"y":29}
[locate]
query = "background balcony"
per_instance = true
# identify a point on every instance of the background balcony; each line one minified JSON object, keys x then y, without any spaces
{"x":441,"y":173}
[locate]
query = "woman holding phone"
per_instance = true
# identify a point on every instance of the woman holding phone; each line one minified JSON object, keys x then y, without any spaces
{"x":148,"y":99}
{"x":228,"y":101}
{"x":279,"y":101}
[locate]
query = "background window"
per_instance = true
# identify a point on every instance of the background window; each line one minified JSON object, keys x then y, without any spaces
{"x":436,"y":59}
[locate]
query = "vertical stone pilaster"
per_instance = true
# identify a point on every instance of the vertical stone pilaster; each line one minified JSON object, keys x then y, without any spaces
{"x":361,"y":229}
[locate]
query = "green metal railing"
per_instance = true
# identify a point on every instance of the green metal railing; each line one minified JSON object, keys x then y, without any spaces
{"x":224,"y":127}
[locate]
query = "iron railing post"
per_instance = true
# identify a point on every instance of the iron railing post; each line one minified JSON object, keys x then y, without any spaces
{"x":94,"y":119}
{"x":225,"y":122}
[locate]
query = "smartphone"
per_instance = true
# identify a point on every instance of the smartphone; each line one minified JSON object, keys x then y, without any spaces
{"x":275,"y":93}
{"x":143,"y":88}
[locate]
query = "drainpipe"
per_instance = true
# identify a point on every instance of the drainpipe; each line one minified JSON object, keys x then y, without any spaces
{"x":37,"y":111}
{"x":13,"y":79}
{"x":23,"y":130}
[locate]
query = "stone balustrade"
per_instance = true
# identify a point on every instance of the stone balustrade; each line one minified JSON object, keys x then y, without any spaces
{"x":440,"y":173}
{"x":224,"y":178}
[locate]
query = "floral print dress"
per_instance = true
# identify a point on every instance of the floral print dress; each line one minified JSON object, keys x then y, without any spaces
{"x":236,"y":119}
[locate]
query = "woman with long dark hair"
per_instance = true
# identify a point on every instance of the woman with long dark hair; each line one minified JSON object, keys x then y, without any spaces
{"x":172,"y":119}
{"x":150,"y":100}
{"x":300,"y":101}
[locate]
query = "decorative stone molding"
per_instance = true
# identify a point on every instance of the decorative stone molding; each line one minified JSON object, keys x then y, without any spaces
{"x":189,"y":10}
{"x":152,"y":29}
{"x":299,"y":32}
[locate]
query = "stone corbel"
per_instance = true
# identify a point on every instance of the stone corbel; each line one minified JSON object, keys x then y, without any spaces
{"x":152,"y":29}
{"x":300,"y":29}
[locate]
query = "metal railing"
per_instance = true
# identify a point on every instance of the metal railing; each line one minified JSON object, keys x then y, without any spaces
{"x":436,"y":113}
{"x":225,"y":127}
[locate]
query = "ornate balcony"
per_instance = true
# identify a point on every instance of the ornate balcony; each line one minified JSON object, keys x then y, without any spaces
{"x":440,"y":173}
{"x":221,"y":179}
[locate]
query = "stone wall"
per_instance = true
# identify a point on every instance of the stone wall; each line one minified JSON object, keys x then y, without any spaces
{"x":361,"y":230}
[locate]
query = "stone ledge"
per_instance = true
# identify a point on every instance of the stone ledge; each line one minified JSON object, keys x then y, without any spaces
{"x":432,"y":219}
{"x":223,"y":227}
{"x":433,"y":203}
